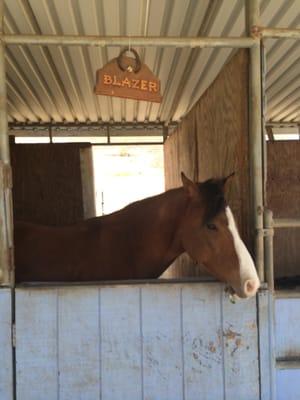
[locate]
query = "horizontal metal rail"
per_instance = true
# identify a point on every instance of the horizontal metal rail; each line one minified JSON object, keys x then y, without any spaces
{"x":279,"y":33}
{"x":275,"y":124}
{"x":286,"y":222}
{"x":87,"y":125}
{"x":154,"y":41}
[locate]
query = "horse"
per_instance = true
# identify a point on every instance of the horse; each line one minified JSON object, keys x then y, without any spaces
{"x":141,"y":241}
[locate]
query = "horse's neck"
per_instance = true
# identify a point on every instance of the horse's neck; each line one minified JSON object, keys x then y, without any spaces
{"x":159,"y":221}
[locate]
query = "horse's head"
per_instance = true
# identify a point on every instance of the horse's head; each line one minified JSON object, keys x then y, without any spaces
{"x":210,"y":236}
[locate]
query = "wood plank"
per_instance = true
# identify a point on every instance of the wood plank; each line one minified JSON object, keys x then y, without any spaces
{"x":288,"y":384}
{"x":6,"y":370}
{"x":266,"y":345}
{"x":121,"y":361}
{"x":36,"y":350}
{"x":202,"y":338}
{"x":162,"y":343}
{"x":287,"y":326}
{"x":240,"y":336}
{"x":78,"y":344}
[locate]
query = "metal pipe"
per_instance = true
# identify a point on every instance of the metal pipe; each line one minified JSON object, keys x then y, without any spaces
{"x":279,"y":33}
{"x":154,"y":41}
{"x":89,"y":125}
{"x":269,"y":249}
{"x":255,"y":136}
{"x":277,"y":124}
{"x":287,"y":223}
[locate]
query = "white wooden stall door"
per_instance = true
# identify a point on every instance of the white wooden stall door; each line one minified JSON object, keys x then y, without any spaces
{"x":287,"y":328}
{"x":151,"y":342}
{"x":6,"y":370}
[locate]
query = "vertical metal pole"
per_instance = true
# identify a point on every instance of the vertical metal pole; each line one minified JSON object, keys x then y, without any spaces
{"x":255,"y":137}
{"x":50,"y":134}
{"x":269,"y":261}
{"x":165,"y":132}
{"x":6,"y":229}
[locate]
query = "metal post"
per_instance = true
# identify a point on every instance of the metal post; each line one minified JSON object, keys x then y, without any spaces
{"x":269,"y":249}
{"x":255,"y":137}
{"x":165,"y":132}
{"x":6,"y":224}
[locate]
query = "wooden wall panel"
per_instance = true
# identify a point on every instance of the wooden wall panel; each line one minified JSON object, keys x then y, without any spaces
{"x":171,"y":162}
{"x":212,"y":141}
{"x":159,"y":341}
{"x":47,"y":183}
{"x":283,"y":194}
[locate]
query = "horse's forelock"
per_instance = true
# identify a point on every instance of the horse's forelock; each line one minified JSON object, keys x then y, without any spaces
{"x":214,"y":197}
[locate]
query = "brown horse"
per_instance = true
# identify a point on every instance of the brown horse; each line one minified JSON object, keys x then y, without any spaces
{"x":141,"y":241}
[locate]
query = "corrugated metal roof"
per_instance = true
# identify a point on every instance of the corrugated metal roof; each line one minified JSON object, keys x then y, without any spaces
{"x":56,"y":83}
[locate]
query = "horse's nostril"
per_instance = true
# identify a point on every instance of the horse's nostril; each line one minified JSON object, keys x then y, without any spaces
{"x":250,"y":286}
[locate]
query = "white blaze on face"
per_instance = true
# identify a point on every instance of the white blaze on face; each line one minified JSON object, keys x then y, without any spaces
{"x":249,"y":281}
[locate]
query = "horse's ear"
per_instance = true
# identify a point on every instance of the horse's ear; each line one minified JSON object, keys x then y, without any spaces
{"x":190,"y":187}
{"x":226,"y":179}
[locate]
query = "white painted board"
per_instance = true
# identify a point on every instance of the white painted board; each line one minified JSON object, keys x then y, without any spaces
{"x":6,"y":370}
{"x":288,"y":384}
{"x":121,"y":344}
{"x":241,"y":359}
{"x":202,"y":342}
{"x":158,"y":341}
{"x":287,"y":326}
{"x":267,"y":345}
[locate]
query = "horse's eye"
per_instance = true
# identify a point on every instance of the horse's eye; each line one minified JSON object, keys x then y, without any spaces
{"x":211,"y":226}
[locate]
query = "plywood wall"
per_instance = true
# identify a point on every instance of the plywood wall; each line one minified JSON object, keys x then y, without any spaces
{"x":212,"y":141}
{"x":47,"y":183}
{"x":283,"y":198}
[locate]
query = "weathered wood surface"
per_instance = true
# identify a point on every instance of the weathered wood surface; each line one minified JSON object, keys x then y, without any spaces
{"x":288,"y":384}
{"x":48,"y":185}
{"x":212,"y":141}
{"x":6,"y":370}
{"x":139,"y":341}
{"x":283,"y":193}
{"x":266,"y":345}
{"x":287,"y":328}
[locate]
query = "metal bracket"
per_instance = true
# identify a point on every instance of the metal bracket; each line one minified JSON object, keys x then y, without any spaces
{"x":256,"y":32}
{"x":265,"y":232}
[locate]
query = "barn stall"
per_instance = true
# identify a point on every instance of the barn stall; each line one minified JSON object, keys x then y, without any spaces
{"x":149,"y":339}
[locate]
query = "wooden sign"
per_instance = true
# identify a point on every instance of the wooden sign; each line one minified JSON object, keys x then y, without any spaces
{"x":128,"y":78}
